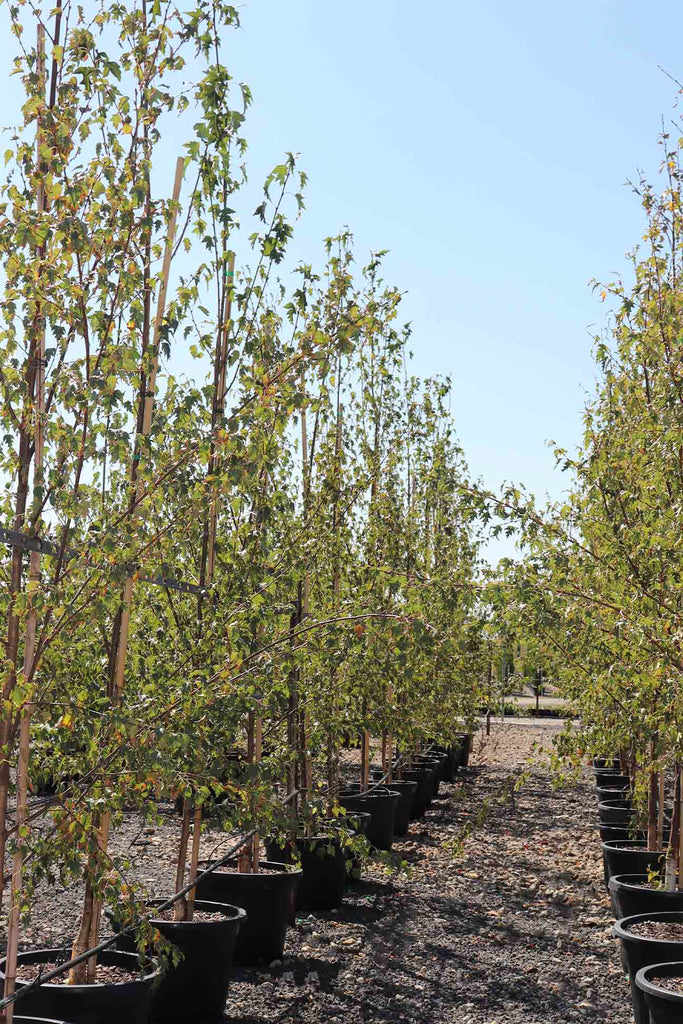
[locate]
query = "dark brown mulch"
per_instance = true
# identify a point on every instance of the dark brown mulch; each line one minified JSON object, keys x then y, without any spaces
{"x":667,"y":931}
{"x":670,"y":984}
{"x":106,"y":975}
{"x":198,"y":915}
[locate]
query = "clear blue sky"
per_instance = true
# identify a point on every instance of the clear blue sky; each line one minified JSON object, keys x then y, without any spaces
{"x":486,"y":145}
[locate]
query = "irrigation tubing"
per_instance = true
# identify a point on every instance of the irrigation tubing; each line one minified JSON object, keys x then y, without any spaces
{"x":42,"y":979}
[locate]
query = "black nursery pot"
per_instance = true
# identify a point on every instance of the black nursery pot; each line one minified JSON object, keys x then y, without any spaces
{"x":434,"y":762}
{"x":360,"y":823}
{"x":380,"y":803}
{"x":608,"y":778}
{"x":421,"y":761}
{"x":407,"y":790}
{"x":449,"y":766}
{"x":323,"y":870}
{"x":607,"y":762}
{"x":665,"y":1007}
{"x":621,"y":793}
{"x":629,"y":857}
{"x":89,"y":1004}
{"x":196,"y":988}
{"x":615,"y":812}
{"x":268,"y":897}
{"x":620,"y":834}
{"x":421,"y":795}
{"x":464,"y":749}
{"x":630,"y":895}
{"x":640,"y":952}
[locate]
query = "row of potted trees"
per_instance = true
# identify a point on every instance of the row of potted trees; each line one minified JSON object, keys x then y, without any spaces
{"x":239,"y":531}
{"x":642,"y":875}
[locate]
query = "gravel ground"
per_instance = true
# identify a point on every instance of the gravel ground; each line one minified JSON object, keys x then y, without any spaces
{"x":501,"y":921}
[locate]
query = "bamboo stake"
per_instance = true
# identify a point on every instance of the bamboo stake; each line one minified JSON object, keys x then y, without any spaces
{"x":194,"y":860}
{"x":306,"y":766}
{"x":180,"y":909}
{"x":660,"y":810}
{"x":673,"y":849}
{"x":34,"y":583}
{"x":332,"y":740}
{"x":653,"y":790}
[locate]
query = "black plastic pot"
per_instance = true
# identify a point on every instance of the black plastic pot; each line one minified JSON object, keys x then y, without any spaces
{"x":665,"y":1007}
{"x":607,"y":762}
{"x":622,"y":793}
{"x":629,"y":857}
{"x":432,"y":766}
{"x":196,"y":988}
{"x":620,"y":834}
{"x":615,"y":812}
{"x":631,"y":896}
{"x":449,"y":766}
{"x":360,"y":823}
{"x":641,"y":952}
{"x":436,"y":762}
{"x":464,"y":749}
{"x":404,"y":808}
{"x":89,"y":1004}
{"x":268,"y":897}
{"x":380,"y":803}
{"x":608,"y":778}
{"x":423,"y":778}
{"x":323,"y":866}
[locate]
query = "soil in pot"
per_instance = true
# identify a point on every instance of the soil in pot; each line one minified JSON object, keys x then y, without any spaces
{"x":267,"y":896}
{"x":196,"y":988}
{"x":633,"y":894}
{"x":323,"y":869}
{"x":642,"y":950}
{"x":662,"y":987}
{"x":106,"y":1002}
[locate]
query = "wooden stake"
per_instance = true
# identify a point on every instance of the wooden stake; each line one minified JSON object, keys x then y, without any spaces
{"x":653,"y":791}
{"x":660,"y":811}
{"x":180,"y":911}
{"x":194,"y":860}
{"x":365,"y":761}
{"x":673,"y":848}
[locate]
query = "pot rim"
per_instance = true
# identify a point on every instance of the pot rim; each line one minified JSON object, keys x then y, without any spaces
{"x":647,"y":986}
{"x":273,"y":867}
{"x":620,"y":884}
{"x":238,"y":913}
